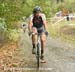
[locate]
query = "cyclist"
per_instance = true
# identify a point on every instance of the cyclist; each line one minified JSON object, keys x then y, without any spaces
{"x":37,"y":23}
{"x":24,"y":26}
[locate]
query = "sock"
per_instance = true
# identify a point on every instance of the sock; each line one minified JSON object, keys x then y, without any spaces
{"x":41,"y":52}
{"x":33,"y":45}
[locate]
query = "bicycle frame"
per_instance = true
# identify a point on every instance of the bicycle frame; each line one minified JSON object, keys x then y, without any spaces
{"x":38,"y":38}
{"x":37,"y":48}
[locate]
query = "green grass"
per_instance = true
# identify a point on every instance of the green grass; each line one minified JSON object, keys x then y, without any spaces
{"x":55,"y":30}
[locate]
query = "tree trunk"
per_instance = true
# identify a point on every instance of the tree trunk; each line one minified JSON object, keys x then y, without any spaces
{"x":59,"y":1}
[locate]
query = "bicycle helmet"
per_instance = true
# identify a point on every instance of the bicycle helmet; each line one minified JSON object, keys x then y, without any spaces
{"x":36,"y":9}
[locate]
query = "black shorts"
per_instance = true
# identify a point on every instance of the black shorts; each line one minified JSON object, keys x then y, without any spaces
{"x":40,"y":30}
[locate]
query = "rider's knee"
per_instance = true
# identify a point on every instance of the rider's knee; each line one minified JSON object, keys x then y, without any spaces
{"x":34,"y":30}
{"x":42,"y":38}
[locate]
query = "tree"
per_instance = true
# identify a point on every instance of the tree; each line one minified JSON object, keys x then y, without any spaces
{"x":59,"y":1}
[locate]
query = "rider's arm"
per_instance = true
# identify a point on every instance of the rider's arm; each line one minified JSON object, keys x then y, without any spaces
{"x":44,"y":22}
{"x":30,"y":23}
{"x":45,"y":25}
{"x":30,"y":26}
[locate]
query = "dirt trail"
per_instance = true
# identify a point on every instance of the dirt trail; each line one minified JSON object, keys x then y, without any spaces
{"x":60,"y":56}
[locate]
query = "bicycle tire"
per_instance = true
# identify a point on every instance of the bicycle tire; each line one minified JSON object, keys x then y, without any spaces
{"x":38,"y":55}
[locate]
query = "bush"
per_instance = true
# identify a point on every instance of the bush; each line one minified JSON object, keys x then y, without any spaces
{"x":13,"y":34}
{"x":3,"y":29}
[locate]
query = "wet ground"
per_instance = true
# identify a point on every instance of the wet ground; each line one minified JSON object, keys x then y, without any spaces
{"x":60,"y":56}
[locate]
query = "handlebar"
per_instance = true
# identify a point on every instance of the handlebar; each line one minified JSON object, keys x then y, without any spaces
{"x":31,"y":33}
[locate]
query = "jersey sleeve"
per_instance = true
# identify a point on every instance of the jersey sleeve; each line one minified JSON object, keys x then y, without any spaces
{"x":30,"y":17}
{"x":43,"y":17}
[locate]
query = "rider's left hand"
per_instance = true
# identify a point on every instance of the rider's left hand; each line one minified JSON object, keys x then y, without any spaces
{"x":46,"y":33}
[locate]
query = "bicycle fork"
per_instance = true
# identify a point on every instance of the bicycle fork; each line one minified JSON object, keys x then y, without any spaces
{"x":38,"y":52}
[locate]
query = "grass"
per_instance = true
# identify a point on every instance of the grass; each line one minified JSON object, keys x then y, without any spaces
{"x":64,"y":30}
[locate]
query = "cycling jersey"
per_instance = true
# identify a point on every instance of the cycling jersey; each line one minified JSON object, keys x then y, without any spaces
{"x":37,"y":21}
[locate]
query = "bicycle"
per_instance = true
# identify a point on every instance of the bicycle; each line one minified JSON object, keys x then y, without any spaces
{"x":37,"y":48}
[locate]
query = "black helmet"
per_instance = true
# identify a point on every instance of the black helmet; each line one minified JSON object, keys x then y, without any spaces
{"x":36,"y":9}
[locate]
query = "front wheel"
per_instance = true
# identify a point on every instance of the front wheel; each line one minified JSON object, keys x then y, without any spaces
{"x":38,"y":55}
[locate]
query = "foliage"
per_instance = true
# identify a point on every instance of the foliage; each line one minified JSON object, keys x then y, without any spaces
{"x":3,"y":26}
{"x":13,"y":10}
{"x":13,"y":34}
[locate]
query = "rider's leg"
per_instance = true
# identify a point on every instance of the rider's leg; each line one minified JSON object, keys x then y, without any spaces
{"x":42,"y":38}
{"x":33,"y":41}
{"x":34,"y":30}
